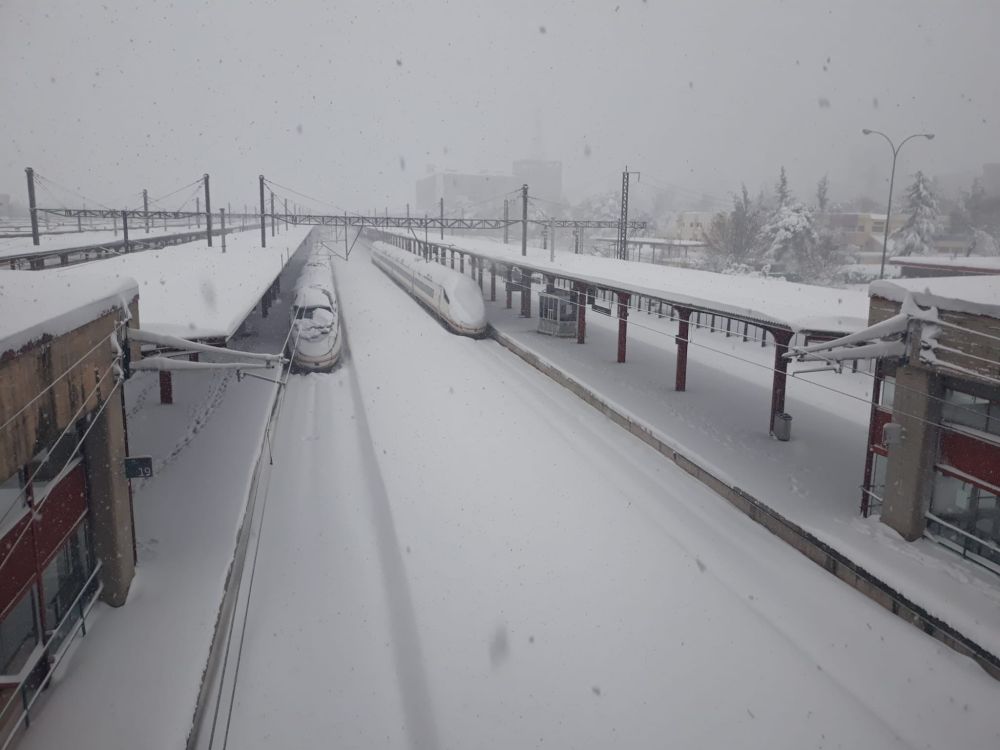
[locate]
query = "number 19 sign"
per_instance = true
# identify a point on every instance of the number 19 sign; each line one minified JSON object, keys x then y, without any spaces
{"x":139,"y":467}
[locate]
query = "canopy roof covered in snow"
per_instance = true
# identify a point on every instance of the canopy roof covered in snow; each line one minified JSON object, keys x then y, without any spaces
{"x":69,"y":241}
{"x":190,"y":290}
{"x":762,"y":301}
{"x":976,"y":263}
{"x":976,"y":295}
{"x":34,"y":304}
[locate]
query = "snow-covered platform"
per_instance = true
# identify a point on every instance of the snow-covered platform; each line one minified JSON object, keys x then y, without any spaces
{"x":190,"y":290}
{"x":800,"y":308}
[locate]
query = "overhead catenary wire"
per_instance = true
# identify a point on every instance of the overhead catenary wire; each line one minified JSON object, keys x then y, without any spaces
{"x":58,"y":186}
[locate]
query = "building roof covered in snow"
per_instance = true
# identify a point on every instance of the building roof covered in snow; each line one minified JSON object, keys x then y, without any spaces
{"x":975,"y":295}
{"x":36,"y":304}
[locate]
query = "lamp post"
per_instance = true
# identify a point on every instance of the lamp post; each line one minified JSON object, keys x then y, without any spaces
{"x":892,"y":178}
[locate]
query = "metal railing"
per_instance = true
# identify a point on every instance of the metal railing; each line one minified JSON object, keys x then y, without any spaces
{"x":79,"y":609}
{"x":971,"y":547}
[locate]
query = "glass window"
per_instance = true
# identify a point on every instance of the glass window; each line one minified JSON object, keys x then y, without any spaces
{"x":970,"y":508}
{"x":65,"y":575}
{"x":888,"y":392}
{"x":968,"y":410}
{"x":18,"y":635}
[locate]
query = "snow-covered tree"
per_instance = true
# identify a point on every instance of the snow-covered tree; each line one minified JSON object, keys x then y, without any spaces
{"x":781,"y":191}
{"x":822,"y":194}
{"x":731,"y":238}
{"x":789,"y":240}
{"x":916,"y":237}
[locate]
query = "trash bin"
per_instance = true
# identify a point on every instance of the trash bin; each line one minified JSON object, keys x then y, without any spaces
{"x":783,"y":426}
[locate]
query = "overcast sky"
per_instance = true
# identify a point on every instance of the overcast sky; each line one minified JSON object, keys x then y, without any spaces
{"x":351,"y":101}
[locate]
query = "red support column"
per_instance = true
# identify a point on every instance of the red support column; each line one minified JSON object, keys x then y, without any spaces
{"x":781,"y":339}
{"x":581,"y":312}
{"x":461,"y":262}
{"x":683,"y":335}
{"x":510,"y":280}
{"x":623,"y":300}
{"x":479,"y":270}
{"x":493,"y":282}
{"x":166,"y":387}
{"x":452,"y":258}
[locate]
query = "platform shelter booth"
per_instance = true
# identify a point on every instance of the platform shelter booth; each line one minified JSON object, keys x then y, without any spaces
{"x":557,"y":313}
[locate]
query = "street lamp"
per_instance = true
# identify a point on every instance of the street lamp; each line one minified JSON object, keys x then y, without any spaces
{"x":892,"y":177}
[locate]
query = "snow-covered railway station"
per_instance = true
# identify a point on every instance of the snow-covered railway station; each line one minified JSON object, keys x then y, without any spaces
{"x":488,"y":375}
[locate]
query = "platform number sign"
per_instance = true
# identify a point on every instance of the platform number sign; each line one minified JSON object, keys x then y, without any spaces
{"x":139,"y":467}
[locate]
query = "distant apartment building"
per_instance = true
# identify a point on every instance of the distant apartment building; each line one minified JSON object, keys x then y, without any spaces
{"x":691,"y":225}
{"x":483,"y":192}
{"x":991,"y":180}
{"x":864,"y":231}
{"x":461,"y":190}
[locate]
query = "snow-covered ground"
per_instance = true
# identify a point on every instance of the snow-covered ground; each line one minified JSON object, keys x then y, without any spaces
{"x":548,"y":579}
{"x":456,"y":552}
{"x":721,"y":422}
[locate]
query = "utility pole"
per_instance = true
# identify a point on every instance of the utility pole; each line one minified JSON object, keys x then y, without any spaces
{"x":552,"y":241}
{"x":32,"y":208}
{"x":222,"y":227}
{"x":197,"y":212}
{"x":145,"y":207}
{"x":272,"y":213}
{"x":263,"y":231}
{"x":623,"y":222}
{"x":525,"y":277}
{"x":442,"y":216}
{"x":506,"y":216}
{"x":125,"y":229}
{"x":524,"y":219}
{"x":208,"y":211}
{"x":286,"y":213}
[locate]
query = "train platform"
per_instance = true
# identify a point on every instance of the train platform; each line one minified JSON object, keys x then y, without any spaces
{"x":813,"y":480}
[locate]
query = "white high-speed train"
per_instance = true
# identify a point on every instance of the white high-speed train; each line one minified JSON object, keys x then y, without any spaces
{"x":452,"y":297}
{"x":314,"y":342}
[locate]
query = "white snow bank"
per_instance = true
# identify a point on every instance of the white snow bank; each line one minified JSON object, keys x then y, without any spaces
{"x":34,"y":304}
{"x":800,"y":307}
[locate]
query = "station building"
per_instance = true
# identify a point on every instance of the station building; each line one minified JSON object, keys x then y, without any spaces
{"x":933,"y":462}
{"x":66,"y":527}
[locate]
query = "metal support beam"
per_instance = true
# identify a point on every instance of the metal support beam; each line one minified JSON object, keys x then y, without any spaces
{"x":781,"y":339}
{"x":623,"y":300}
{"x":145,"y":207}
{"x":263,"y":227}
{"x":493,"y":282}
{"x":683,"y":336}
{"x":208,"y":212}
{"x":581,"y":312}
{"x":32,"y":208}
{"x":510,"y":282}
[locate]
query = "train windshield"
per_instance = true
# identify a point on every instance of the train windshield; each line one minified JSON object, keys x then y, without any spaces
{"x":308,"y":313}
